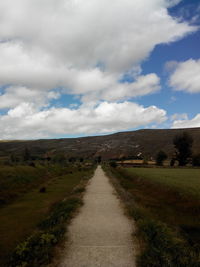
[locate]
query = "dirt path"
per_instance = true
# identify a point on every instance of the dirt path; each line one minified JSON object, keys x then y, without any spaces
{"x":100,"y":235}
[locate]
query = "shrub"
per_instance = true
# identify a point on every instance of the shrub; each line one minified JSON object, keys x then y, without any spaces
{"x":34,"y":251}
{"x":43,"y":189}
{"x":113,"y":164}
{"x":61,"y":212}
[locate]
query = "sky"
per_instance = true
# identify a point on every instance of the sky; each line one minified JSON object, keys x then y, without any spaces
{"x":90,"y":67}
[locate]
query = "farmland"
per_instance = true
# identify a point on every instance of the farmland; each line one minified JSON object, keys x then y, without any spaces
{"x":165,"y":203}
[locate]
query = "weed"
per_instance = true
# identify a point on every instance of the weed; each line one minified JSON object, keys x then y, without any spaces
{"x":61,"y":212}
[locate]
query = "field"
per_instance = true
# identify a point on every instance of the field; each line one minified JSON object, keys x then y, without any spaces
{"x":166,"y":209}
{"x":186,"y":181}
{"x":20,"y":218}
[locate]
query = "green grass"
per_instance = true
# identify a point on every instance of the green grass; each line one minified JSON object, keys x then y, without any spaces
{"x":186,"y":181}
{"x":37,"y":249}
{"x":20,"y":218}
{"x":16,"y":180}
{"x":165,"y":203}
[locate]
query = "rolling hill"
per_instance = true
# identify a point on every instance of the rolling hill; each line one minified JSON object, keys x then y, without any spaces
{"x":123,"y":144}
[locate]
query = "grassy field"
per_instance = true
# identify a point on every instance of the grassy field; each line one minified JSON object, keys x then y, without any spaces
{"x":19,"y":219}
{"x":16,"y":180}
{"x":167,"y":211}
{"x":186,"y":181}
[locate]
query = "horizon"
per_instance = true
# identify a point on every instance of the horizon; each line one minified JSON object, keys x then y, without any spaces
{"x":73,"y":69}
{"x":102,"y":135}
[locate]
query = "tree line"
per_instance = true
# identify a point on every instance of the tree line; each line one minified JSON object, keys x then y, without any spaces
{"x":183,"y":152}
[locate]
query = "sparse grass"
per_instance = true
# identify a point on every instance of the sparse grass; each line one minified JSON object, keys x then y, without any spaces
{"x":167,"y":214}
{"x":19,"y":219}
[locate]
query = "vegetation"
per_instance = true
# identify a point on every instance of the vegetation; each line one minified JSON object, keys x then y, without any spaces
{"x":27,"y":212}
{"x":36,"y":250}
{"x":160,"y":157}
{"x":183,"y":144}
{"x":196,"y":160}
{"x":165,"y":204}
{"x":17,"y":180}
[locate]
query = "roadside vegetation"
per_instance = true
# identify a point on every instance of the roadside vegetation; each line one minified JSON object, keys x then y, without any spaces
{"x":165,"y":203}
{"x":37,"y":202}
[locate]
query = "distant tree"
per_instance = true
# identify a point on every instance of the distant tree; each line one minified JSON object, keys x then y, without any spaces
{"x":196,"y":160}
{"x":27,"y":154}
{"x":172,"y":162}
{"x":81,"y":159}
{"x":59,"y":158}
{"x":14,"y":158}
{"x":183,"y":145}
{"x":72,"y":159}
{"x":113,"y":164}
{"x":160,"y":157}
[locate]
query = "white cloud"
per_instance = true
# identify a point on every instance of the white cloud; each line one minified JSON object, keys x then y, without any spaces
{"x":14,"y":96}
{"x":24,"y":121}
{"x":84,"y":48}
{"x":44,"y":42}
{"x":80,"y":33}
{"x":186,"y":76}
{"x":186,"y":123}
{"x":178,"y":116}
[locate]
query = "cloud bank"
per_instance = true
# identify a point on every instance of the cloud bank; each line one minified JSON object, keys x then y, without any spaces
{"x":104,"y":118}
{"x":186,"y":123}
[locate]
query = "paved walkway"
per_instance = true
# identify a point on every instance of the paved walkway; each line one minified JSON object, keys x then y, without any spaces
{"x":100,"y":235}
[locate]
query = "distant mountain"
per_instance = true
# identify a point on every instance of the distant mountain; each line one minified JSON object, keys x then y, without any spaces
{"x":123,"y":144}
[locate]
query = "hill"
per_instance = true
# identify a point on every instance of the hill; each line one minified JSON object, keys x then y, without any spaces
{"x":124,"y":144}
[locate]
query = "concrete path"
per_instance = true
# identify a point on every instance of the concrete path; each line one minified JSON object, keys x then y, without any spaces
{"x":100,"y":235}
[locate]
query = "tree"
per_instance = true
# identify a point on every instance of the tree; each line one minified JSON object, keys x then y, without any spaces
{"x":160,"y":157}
{"x":196,"y":160}
{"x":183,"y":145}
{"x":27,"y":155}
{"x":59,"y":158}
{"x":113,"y":164}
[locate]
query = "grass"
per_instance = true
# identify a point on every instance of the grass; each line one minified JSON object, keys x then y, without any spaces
{"x":186,"y":181}
{"x":20,"y":179}
{"x":165,"y":203}
{"x":19,"y":219}
{"x":37,"y":249}
{"x":16,"y":180}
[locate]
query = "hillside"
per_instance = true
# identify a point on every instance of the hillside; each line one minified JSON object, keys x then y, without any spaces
{"x":128,"y":144}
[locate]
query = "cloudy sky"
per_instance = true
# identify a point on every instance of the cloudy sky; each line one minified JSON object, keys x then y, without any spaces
{"x":85,"y":67}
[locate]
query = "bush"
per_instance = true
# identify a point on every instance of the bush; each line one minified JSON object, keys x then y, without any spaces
{"x":42,"y":190}
{"x":61,"y":212}
{"x":113,"y":164}
{"x":34,"y":251}
{"x":37,"y":249}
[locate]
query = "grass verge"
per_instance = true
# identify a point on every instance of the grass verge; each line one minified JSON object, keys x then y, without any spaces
{"x":163,"y":240}
{"x":33,"y":224}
